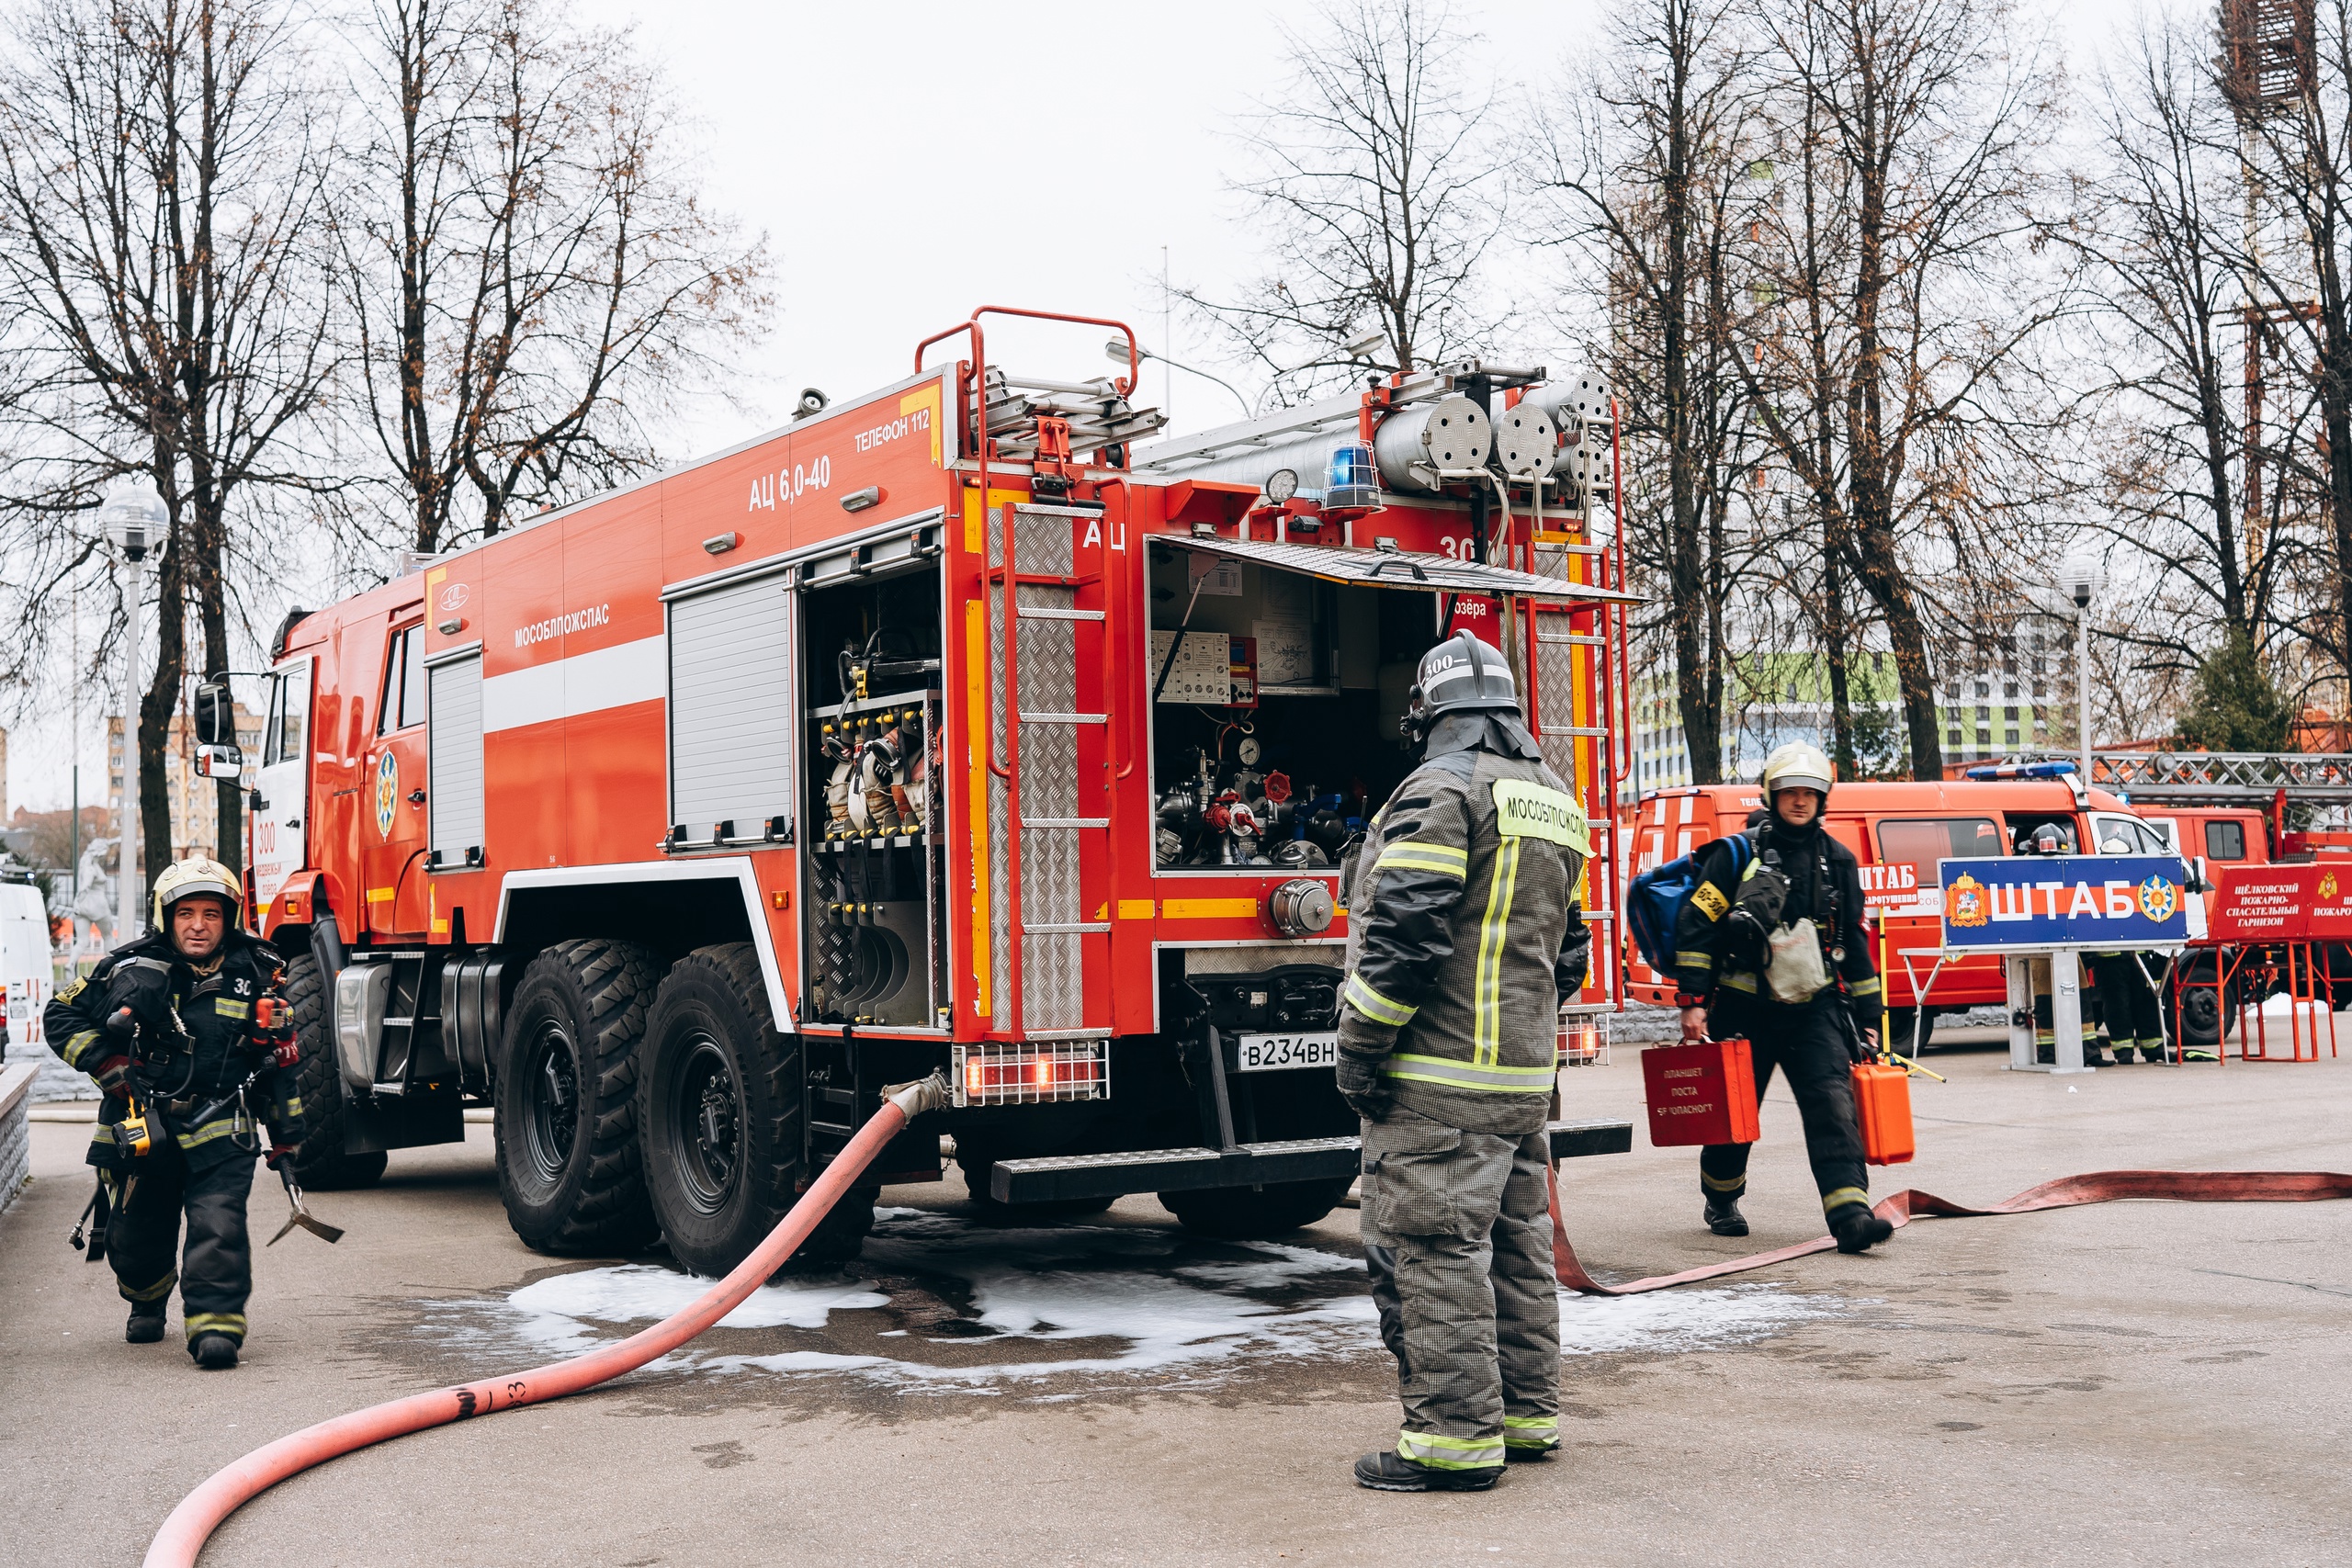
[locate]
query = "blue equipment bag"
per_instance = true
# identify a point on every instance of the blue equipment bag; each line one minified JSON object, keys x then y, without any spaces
{"x":1654,"y":902}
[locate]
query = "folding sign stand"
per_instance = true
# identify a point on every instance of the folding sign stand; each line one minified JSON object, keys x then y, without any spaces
{"x":2065,"y":1011}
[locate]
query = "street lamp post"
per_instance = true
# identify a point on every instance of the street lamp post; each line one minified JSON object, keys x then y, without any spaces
{"x":1117,"y":350}
{"x":132,"y":517}
{"x":2080,"y":580}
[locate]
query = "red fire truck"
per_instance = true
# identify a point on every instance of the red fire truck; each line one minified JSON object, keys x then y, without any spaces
{"x":942,"y":729}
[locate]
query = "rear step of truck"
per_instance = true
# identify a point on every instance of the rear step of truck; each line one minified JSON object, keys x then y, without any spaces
{"x":1054,"y":1177}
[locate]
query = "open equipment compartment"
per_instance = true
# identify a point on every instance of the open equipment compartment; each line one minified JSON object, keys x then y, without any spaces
{"x":1275,"y":731}
{"x":874,"y":865}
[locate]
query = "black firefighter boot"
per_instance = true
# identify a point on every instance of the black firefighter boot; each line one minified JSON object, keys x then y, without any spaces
{"x":1389,"y":1471}
{"x":146,"y":1325}
{"x":1858,"y":1228}
{"x":1722,"y":1215}
{"x":214,"y":1352}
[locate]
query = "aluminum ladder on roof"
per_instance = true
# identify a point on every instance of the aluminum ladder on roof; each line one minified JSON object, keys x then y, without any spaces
{"x":1049,"y":827}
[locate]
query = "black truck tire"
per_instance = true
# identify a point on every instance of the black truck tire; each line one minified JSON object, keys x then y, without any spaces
{"x":722,"y":1105}
{"x":2206,"y":1014}
{"x":321,"y":1164}
{"x":1243,"y":1214}
{"x":1899,"y":1023}
{"x":569,"y":1166}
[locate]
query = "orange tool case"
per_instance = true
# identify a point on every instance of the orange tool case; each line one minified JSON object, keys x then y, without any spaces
{"x":1883,"y":1107}
{"x":1700,"y":1094}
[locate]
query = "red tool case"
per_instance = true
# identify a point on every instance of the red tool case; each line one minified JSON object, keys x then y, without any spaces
{"x":1700,"y":1094}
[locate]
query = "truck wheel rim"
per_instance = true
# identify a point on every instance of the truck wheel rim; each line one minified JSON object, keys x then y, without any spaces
{"x":707,"y":1120}
{"x":553,"y":1083}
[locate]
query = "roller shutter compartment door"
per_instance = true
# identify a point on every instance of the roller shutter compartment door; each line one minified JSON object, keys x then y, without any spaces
{"x":453,"y":760}
{"x":730,"y":708}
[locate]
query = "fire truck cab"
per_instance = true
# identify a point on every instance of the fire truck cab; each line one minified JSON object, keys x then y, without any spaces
{"x":943,"y":729}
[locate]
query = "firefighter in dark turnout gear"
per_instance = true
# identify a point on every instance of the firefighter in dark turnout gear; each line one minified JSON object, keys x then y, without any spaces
{"x":1466,"y":938}
{"x":1765,"y":952}
{"x":165,"y":1024}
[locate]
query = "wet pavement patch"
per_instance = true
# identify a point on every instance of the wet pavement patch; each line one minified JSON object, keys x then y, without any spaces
{"x":938,"y":1304}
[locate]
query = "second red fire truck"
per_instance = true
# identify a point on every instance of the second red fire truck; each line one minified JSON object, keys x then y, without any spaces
{"x":945,"y":728}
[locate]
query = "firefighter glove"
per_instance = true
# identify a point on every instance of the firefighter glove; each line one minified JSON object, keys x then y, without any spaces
{"x":113,"y":1075}
{"x":1757,"y":904}
{"x":140,"y":991}
{"x":1362,"y":1086}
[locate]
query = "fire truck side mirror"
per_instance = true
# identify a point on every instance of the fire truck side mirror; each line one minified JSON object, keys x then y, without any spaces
{"x":220,"y":762}
{"x":216,"y":718}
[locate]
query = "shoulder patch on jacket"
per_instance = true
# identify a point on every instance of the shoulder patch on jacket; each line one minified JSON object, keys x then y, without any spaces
{"x":1526,"y":810}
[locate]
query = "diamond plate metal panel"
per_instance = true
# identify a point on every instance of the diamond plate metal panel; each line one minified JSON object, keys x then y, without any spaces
{"x":1053,"y":982}
{"x":1053,"y":977}
{"x":1556,"y":697}
{"x":1044,"y":543}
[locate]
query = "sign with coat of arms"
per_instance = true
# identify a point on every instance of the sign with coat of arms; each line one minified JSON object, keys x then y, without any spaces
{"x":2099,"y":902}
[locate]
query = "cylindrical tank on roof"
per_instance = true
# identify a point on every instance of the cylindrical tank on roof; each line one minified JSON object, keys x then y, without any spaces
{"x":1418,"y":441}
{"x":1573,"y":402}
{"x":1581,"y":411}
{"x":1526,"y":440}
{"x":1308,"y":457}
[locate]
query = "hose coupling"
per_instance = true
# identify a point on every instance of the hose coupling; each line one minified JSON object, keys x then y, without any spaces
{"x":922,"y":1095}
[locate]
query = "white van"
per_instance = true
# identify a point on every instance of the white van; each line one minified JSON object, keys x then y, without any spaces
{"x":24,"y":962}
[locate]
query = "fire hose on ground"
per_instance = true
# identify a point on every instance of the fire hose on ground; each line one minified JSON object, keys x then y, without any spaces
{"x":203,"y":1510}
{"x":2065,"y":1192}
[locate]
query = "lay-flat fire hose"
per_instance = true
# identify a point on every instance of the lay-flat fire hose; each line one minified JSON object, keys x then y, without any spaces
{"x":2065,"y":1192}
{"x":200,"y":1512}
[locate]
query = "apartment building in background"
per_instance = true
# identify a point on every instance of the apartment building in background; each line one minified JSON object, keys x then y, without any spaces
{"x":195,"y":800}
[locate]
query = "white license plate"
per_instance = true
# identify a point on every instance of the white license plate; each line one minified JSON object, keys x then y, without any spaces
{"x":1273,"y":1053}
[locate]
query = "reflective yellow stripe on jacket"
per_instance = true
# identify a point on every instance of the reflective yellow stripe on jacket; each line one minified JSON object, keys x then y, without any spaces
{"x":1485,"y":1077}
{"x":1408,"y":854}
{"x":1485,"y":1030}
{"x":1378,"y":1008}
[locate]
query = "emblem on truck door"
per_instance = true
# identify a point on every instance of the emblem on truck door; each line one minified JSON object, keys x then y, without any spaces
{"x":388,"y":791}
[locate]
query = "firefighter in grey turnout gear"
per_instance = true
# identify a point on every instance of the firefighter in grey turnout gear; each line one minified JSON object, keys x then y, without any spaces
{"x":1466,"y":938}
{"x":1771,"y":946}
{"x":168,"y":1025}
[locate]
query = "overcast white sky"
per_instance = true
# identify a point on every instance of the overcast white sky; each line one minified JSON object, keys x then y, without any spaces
{"x":862,"y":138}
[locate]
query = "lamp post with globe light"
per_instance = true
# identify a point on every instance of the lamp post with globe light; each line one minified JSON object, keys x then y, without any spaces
{"x":133,"y":518}
{"x":2080,"y":580}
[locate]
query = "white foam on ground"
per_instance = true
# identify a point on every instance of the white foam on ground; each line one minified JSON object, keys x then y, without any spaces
{"x":1125,"y":1303}
{"x":1683,"y":1319}
{"x":559,"y":1306}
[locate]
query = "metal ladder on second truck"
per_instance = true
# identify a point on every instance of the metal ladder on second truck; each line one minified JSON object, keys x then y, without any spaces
{"x":1049,"y":820}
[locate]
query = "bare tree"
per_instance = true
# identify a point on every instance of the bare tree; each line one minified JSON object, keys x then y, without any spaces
{"x":1644,"y":178}
{"x":1887,"y":333}
{"x":533,"y":277}
{"x":1379,"y":196}
{"x":163,"y":198}
{"x":2165,"y":240}
{"x":2289,"y":99}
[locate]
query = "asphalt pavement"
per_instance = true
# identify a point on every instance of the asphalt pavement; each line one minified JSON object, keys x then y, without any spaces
{"x":2134,"y":1383}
